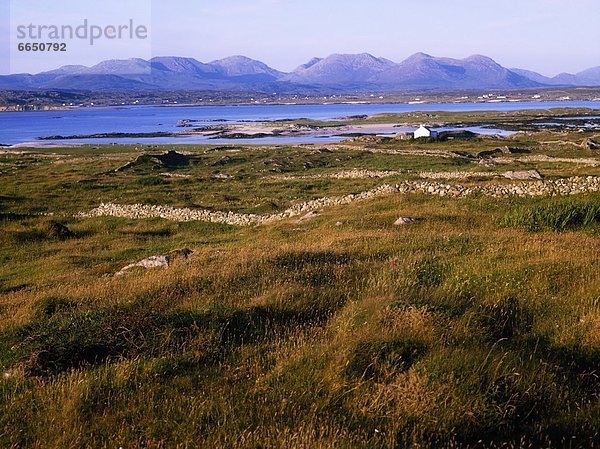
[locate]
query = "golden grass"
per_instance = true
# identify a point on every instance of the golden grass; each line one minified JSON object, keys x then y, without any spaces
{"x":453,"y":331}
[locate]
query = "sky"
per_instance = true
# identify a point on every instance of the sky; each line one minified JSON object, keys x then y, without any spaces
{"x":548,"y":36}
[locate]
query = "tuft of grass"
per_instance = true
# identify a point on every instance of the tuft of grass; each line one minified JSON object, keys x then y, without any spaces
{"x":428,"y":272}
{"x":152,"y":181}
{"x":505,"y":319}
{"x":555,"y":214}
{"x":49,"y":306}
{"x":379,"y":359}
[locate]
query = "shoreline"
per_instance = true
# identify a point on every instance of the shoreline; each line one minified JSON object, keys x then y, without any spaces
{"x":9,"y":109}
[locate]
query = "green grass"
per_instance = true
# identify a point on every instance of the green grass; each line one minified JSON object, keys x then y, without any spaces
{"x":465,"y":118}
{"x":557,"y":215}
{"x":460,"y":330}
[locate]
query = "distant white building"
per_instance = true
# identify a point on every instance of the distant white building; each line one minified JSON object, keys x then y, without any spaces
{"x":423,"y":131}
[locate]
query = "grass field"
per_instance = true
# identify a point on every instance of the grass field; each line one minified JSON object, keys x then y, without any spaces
{"x":477,"y":325}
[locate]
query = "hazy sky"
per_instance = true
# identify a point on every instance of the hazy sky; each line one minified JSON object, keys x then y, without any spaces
{"x":549,"y":36}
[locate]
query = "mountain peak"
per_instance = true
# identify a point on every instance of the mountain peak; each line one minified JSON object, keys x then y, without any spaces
{"x":418,"y":56}
{"x":482,"y":61}
{"x":353,"y":55}
{"x":67,"y":69}
{"x":119,"y":66}
{"x":182,"y":66}
{"x":234,"y":59}
{"x":478,"y":57}
{"x":339,"y":69}
{"x":174,"y":59}
{"x":239,"y":65}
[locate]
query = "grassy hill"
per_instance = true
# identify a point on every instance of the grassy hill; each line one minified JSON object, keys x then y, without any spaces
{"x":477,"y":325}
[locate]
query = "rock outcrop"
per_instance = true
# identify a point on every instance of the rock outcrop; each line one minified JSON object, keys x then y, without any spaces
{"x":163,"y":260}
{"x":590,"y":144}
{"x":404,"y":220}
{"x":523,"y":175}
{"x":354,"y":173}
{"x":457,"y":174}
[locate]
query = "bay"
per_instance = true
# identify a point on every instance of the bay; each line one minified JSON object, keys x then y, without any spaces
{"x":23,"y":127}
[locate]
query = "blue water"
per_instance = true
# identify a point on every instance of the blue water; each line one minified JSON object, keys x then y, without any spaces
{"x":20,"y":127}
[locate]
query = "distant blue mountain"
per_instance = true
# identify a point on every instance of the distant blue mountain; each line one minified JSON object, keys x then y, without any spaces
{"x":336,"y":72}
{"x":589,"y":77}
{"x":339,"y":70}
{"x":246,"y":68}
{"x":422,"y":71}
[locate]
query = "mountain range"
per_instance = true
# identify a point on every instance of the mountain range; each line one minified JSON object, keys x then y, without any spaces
{"x":337,"y":72}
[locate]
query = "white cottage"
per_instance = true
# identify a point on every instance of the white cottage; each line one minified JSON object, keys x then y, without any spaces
{"x":423,"y":131}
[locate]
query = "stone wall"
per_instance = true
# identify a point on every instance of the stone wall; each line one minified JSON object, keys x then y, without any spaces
{"x":565,"y":186}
